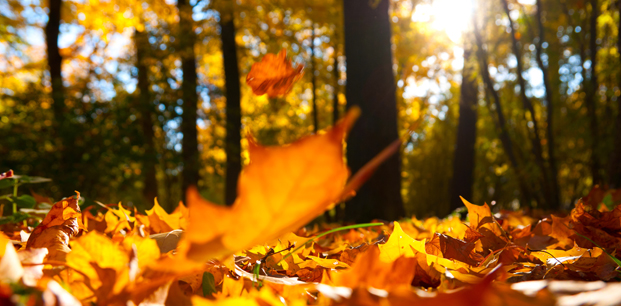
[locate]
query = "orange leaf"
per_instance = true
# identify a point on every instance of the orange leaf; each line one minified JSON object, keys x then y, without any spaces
{"x":482,"y":220}
{"x":273,"y":75}
{"x":282,"y":189}
{"x":161,"y":221}
{"x":59,"y":225}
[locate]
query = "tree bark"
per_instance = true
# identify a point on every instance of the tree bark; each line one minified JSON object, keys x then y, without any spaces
{"x":554,"y":198}
{"x":189,"y":143}
{"x":335,"y":92}
{"x":591,"y":95}
{"x":54,"y":61}
{"x":145,"y":105}
{"x":528,"y":106}
{"x":233,"y":107}
{"x":463,"y":163}
{"x":615,"y":160}
{"x":501,"y":123}
{"x":371,"y":86}
{"x":314,"y":80}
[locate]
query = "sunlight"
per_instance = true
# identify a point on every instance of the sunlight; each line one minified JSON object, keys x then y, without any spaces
{"x":451,"y":16}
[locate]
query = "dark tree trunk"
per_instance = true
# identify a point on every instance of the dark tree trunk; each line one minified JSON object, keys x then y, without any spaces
{"x":463,"y":163}
{"x":233,"y":108}
{"x":554,"y":197}
{"x":591,"y":95}
{"x":370,"y":85}
{"x":54,"y":61}
{"x":335,"y":92}
{"x":528,"y":106}
{"x":594,"y":163}
{"x":145,"y":106}
{"x":615,"y":160}
{"x":500,"y":121}
{"x":314,"y":81}
{"x":189,"y":144}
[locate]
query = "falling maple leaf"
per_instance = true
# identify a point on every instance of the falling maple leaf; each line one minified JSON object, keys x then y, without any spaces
{"x":305,"y":178}
{"x":273,"y":75}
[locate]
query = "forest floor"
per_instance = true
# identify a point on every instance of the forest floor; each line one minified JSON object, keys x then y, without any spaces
{"x":111,"y":254}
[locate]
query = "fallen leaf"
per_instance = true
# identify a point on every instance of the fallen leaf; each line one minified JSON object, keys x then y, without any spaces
{"x":369,"y":270}
{"x":11,"y":269}
{"x":161,"y":222}
{"x":61,"y":224}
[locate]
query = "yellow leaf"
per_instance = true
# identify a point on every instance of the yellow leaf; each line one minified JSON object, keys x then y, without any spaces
{"x":146,"y":249}
{"x":161,"y":221}
{"x":328,"y":263}
{"x":400,"y":244}
{"x":94,"y":249}
{"x":11,"y":269}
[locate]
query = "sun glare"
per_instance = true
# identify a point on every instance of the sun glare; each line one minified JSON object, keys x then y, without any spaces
{"x":451,"y":16}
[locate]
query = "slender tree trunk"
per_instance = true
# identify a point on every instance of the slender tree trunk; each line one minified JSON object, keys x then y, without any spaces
{"x":314,"y":81}
{"x":528,"y":106}
{"x":335,"y":92}
{"x":145,"y":105}
{"x":615,"y":160}
{"x":370,"y":85}
{"x":189,"y":144}
{"x":500,"y":121}
{"x":463,"y":163}
{"x":54,"y":61}
{"x":555,"y":202}
{"x":592,"y":94}
{"x":584,"y":86}
{"x":233,"y":107}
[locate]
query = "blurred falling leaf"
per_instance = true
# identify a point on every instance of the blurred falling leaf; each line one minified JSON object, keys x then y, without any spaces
{"x":281,"y":189}
{"x":273,"y":75}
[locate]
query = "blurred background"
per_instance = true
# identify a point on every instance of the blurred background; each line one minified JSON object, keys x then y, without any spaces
{"x":510,"y":102}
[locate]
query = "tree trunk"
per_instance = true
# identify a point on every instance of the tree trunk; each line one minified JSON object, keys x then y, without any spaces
{"x":54,"y":61}
{"x":371,"y":86}
{"x":591,"y":95}
{"x":528,"y":106}
{"x":463,"y":163}
{"x":145,"y":105}
{"x":233,"y":107}
{"x":189,"y":143}
{"x":335,"y":91}
{"x":615,"y":160}
{"x":554,"y":197}
{"x":500,"y":121}
{"x":314,"y":80}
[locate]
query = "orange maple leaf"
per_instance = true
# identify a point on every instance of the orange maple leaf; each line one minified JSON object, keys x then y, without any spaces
{"x":282,"y":189}
{"x":273,"y":75}
{"x":60,"y":224}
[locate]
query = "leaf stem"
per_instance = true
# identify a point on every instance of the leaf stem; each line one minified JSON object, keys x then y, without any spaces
{"x":342,"y":228}
{"x":616,"y":260}
{"x":15,"y":195}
